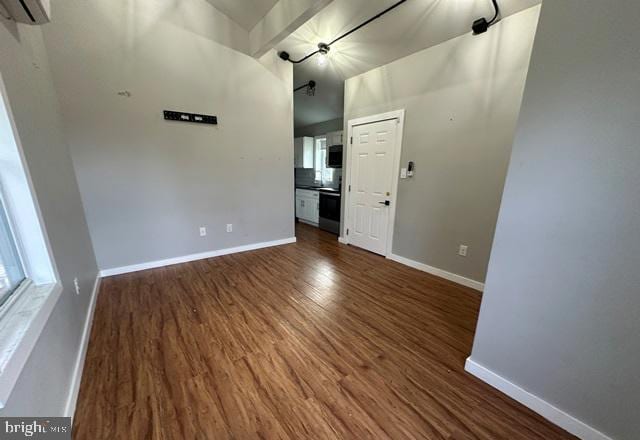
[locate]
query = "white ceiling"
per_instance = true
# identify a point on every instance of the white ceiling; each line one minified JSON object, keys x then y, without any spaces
{"x":247,"y":13}
{"x":413,"y":26}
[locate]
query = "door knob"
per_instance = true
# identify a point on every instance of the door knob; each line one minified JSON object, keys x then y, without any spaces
{"x":386,"y":203}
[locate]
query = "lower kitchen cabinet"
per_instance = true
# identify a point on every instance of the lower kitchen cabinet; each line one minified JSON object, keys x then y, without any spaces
{"x":308,"y":206}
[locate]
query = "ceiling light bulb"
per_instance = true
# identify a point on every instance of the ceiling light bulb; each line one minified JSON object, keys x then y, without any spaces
{"x":323,"y":54}
{"x":322,"y":59}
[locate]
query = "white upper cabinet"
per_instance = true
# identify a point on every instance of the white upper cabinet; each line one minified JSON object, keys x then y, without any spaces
{"x":334,"y":138}
{"x":303,"y":152}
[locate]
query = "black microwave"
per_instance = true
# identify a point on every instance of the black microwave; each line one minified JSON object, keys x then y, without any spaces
{"x":334,"y":156}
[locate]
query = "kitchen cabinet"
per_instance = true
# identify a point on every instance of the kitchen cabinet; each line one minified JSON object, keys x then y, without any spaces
{"x":334,"y":138}
{"x":303,"y":152}
{"x":308,"y":206}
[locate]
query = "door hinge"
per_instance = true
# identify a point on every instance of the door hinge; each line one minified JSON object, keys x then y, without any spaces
{"x":347,"y":231}
{"x":349,"y":188}
{"x":351,"y":140}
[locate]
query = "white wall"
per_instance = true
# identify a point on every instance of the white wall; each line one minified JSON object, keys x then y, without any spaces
{"x":321,"y":128}
{"x":147,"y":184}
{"x":561,"y":312}
{"x":45,"y":382}
{"x":462,"y":99}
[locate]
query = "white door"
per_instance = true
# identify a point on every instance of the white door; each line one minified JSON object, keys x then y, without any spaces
{"x":372,"y":174}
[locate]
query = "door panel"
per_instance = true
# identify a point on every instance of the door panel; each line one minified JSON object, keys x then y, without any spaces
{"x":361,"y":184}
{"x":372,"y":177}
{"x":299,"y":208}
{"x":360,"y":219}
{"x":377,"y":222}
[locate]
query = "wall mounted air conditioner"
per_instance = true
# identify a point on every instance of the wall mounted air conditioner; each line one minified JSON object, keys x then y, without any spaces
{"x":28,"y":11}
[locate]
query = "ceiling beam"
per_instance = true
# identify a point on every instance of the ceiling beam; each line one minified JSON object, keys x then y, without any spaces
{"x":280,"y":22}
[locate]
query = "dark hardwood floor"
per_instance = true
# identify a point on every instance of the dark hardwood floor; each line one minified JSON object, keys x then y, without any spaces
{"x":313,"y":340}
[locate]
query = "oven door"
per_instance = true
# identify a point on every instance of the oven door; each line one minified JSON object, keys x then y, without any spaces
{"x":330,"y":212}
{"x":330,"y":206}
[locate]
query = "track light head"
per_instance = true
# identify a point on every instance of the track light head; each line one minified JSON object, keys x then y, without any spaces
{"x":480,"y":26}
{"x":284,"y":55}
{"x":311,"y":88}
{"x":323,"y":54}
{"x":323,"y":48}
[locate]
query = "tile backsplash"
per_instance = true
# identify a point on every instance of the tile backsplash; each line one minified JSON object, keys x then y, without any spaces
{"x":306,"y":177}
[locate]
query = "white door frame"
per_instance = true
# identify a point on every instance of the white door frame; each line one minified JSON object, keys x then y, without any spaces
{"x":399,"y":116}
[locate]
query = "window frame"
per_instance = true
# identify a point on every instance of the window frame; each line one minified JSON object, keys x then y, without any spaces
{"x":25,"y":312}
{"x":20,"y":253}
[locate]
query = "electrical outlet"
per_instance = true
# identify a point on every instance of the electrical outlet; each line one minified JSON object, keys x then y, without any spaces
{"x":229,"y":227}
{"x":463,"y":250}
{"x":203,"y":231}
{"x":76,"y":284}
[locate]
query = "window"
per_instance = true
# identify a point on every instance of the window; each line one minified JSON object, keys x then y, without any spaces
{"x":323,"y":175}
{"x":29,"y":282}
{"x":11,"y":270}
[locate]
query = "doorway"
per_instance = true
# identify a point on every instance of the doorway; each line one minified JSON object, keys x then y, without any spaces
{"x":372,"y":170}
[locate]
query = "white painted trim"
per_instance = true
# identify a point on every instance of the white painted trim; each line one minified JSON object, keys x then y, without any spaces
{"x":76,"y":378}
{"x":534,"y":403}
{"x":477,"y":285}
{"x":396,"y":114}
{"x":343,"y":240}
{"x":193,"y":257}
{"x":21,"y":326}
{"x":21,"y":203}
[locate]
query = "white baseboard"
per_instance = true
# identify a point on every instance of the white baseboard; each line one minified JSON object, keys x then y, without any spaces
{"x":343,"y":240}
{"x":477,"y":285}
{"x":76,"y":379}
{"x":534,"y":403}
{"x":193,"y":257}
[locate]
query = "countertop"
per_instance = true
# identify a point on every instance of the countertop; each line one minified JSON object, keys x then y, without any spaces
{"x":319,"y":188}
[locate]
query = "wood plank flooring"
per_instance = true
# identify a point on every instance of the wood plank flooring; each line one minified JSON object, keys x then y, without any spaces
{"x":313,"y":340}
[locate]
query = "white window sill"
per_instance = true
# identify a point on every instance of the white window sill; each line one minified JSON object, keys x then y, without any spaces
{"x":22,"y":320}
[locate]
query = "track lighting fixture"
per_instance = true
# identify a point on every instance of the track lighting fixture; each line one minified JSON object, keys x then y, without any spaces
{"x":310,"y":88}
{"x":482,"y":25}
{"x":323,"y":54}
{"x":324,"y":48}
